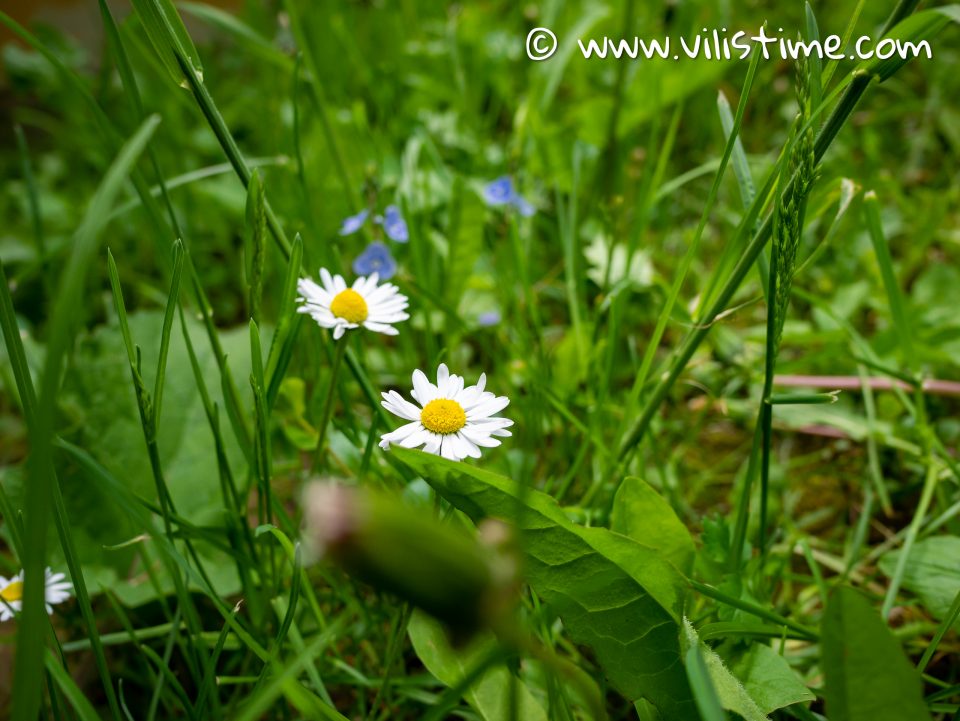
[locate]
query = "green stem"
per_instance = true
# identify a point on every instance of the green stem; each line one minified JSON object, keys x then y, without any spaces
{"x":338,"y":353}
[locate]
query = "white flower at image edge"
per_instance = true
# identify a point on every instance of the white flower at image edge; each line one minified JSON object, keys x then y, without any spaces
{"x":334,"y":305}
{"x":11,"y":593}
{"x":451,"y":421}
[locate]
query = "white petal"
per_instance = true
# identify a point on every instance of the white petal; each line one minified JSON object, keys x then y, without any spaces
{"x":400,"y":406}
{"x":402,"y":432}
{"x":418,"y":438}
{"x":469,"y":447}
{"x":443,"y":374}
{"x":381,"y":328}
{"x":488,"y":407}
{"x":327,"y":281}
{"x":423,"y":390}
{"x":447,"y":450}
{"x":339,"y":331}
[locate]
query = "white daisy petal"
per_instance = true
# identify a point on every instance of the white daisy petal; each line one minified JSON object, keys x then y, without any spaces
{"x":424,"y":390}
{"x":488,"y":408}
{"x":442,"y":375}
{"x":400,"y":406}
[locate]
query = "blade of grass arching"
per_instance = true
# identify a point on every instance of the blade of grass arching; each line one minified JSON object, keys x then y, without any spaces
{"x":172,"y":302}
{"x":195,"y":176}
{"x":681,"y":274}
{"x":78,"y":700}
{"x":871,"y":208}
{"x":28,"y":667}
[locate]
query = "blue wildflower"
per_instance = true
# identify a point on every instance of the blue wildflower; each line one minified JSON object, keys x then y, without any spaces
{"x":489,"y":318}
{"x":354,"y":222}
{"x":502,"y":192}
{"x":394,"y":225}
{"x":375,"y":259}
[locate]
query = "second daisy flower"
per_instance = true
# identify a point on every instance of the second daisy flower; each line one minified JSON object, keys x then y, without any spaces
{"x":452,"y":421}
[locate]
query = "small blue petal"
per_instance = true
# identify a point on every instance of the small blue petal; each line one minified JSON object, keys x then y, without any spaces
{"x":394,"y":225}
{"x":375,"y":259}
{"x":353,"y":223}
{"x":523,"y":207}
{"x":490,"y":318}
{"x":500,"y":191}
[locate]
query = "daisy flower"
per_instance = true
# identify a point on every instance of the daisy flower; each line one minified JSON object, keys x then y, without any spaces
{"x":334,"y":305}
{"x":11,"y":593}
{"x":452,"y":421}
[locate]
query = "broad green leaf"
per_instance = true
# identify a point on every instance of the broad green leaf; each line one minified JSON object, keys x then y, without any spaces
{"x":616,"y":595}
{"x":932,"y":572}
{"x":731,"y":693}
{"x":642,"y":514}
{"x":868,"y":676}
{"x":169,"y":37}
{"x":488,"y":695}
{"x":767,"y":677}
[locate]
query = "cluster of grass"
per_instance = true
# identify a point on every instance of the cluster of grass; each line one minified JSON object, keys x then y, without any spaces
{"x":703,"y":525}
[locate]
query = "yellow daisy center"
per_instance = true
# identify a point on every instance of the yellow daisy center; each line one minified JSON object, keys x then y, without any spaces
{"x":443,"y":416}
{"x":349,"y":305}
{"x":13,"y":591}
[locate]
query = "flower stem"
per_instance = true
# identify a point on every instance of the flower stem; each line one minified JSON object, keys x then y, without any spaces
{"x":338,"y":353}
